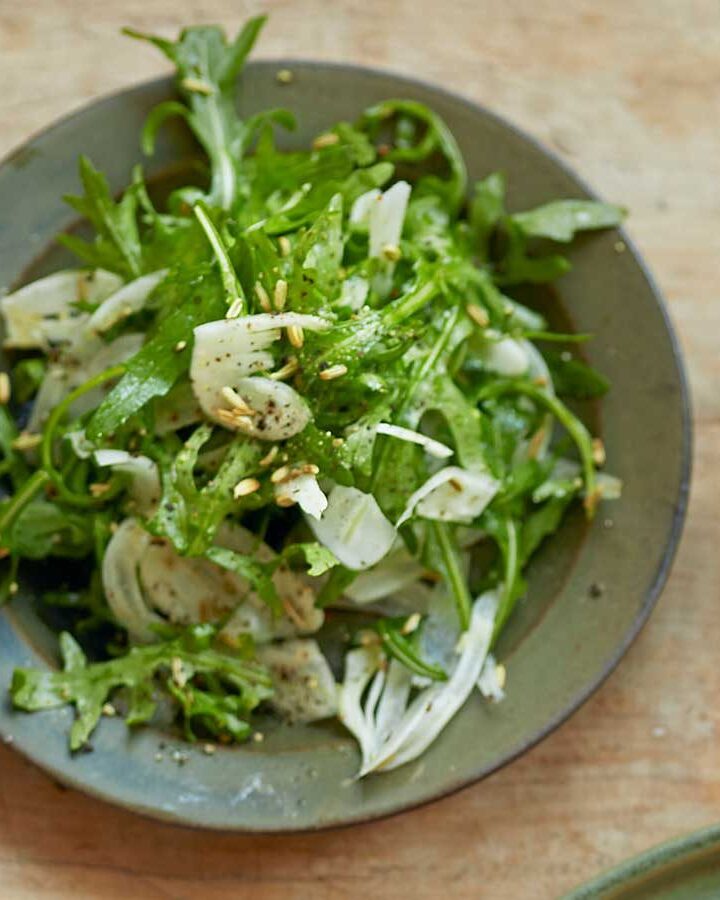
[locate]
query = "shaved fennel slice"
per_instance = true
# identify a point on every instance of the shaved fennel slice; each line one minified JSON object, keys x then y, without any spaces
{"x":354,"y":292}
{"x":121,"y":583}
{"x":226,"y":352}
{"x":131,"y":298}
{"x":306,"y":492}
{"x":387,"y":215}
{"x":304,"y":686}
{"x":428,"y":713}
{"x":61,"y":379}
{"x":360,"y":666}
{"x":42,"y":312}
{"x":145,"y":488}
{"x":431,"y":446}
{"x":354,"y":527}
{"x":362,"y":207}
{"x":491,"y":682}
{"x":396,"y":571}
{"x":504,"y":355}
{"x":143,"y":576}
{"x":178,"y":409}
{"x":451,"y":495}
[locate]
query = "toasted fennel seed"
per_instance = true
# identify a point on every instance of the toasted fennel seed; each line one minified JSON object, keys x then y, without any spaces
{"x":284,"y":246}
{"x":295,"y":335}
{"x":245,"y":487}
{"x":269,"y":457}
{"x":209,"y":749}
{"x":13,"y":588}
{"x":197,"y":86}
{"x":177,"y":670}
{"x":180,"y":346}
{"x":109,"y":710}
{"x":598,"y":452}
{"x":236,"y":401}
{"x":333,"y":372}
{"x":263,"y":297}
{"x":284,"y":76}
{"x":309,"y":469}
{"x":391,"y":252}
{"x":99,"y":488}
{"x":325,"y":140}
{"x":280,"y":294}
{"x":536,"y":442}
{"x":620,"y":246}
{"x":284,"y":501}
{"x":290,"y":368}
{"x":26,"y":440}
{"x":337,"y":442}
{"x":234,"y":309}
{"x":258,"y":737}
{"x":411,"y":623}
{"x":4,"y":388}
{"x":280,"y":475}
{"x":478,"y":315}
{"x":501,"y":675}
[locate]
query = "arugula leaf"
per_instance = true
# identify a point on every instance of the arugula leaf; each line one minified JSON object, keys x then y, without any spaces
{"x":255,"y":572}
{"x":561,"y":220}
{"x":192,"y":298}
{"x":88,"y":686}
{"x":44,"y":529}
{"x":117,"y":246}
{"x":574,"y":378}
{"x":207,"y":72}
{"x":487,"y":208}
{"x":318,"y":558}
{"x":14,"y":464}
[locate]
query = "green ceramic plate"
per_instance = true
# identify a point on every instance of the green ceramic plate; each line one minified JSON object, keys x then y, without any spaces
{"x":562,"y":643}
{"x":684,"y":869}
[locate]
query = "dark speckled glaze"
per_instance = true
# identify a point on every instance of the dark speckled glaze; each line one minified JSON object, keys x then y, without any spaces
{"x":562,"y":642}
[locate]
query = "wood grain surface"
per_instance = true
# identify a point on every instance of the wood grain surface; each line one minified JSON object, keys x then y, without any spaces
{"x":628,"y":92}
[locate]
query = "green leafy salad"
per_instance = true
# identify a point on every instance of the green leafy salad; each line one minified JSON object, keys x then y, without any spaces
{"x":302,"y":388}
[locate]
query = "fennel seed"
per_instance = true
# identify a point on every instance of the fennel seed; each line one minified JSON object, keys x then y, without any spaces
{"x":4,"y":388}
{"x":598,"y":452}
{"x":180,"y":346}
{"x":109,"y":710}
{"x":263,"y":297}
{"x":258,"y":737}
{"x":98,"y":488}
{"x":197,"y":86}
{"x":269,"y":457}
{"x":280,"y":475}
{"x":234,"y":310}
{"x":325,"y":140}
{"x":411,"y":623}
{"x":284,"y":76}
{"x":333,"y":372}
{"x":391,"y":252}
{"x":284,"y":501}
{"x":280,"y":294}
{"x":290,"y":368}
{"x":478,"y":315}
{"x":295,"y":335}
{"x":209,"y":749}
{"x":245,"y":487}
{"x":13,"y":588}
{"x":284,"y":246}
{"x":26,"y":440}
{"x":236,"y":401}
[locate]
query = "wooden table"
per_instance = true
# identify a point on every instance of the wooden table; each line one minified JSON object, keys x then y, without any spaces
{"x":628,"y":91}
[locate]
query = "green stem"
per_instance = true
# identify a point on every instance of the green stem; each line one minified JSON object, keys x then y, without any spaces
{"x":46,"y":449}
{"x":400,"y":309}
{"x":575,"y":428}
{"x":232,"y":286}
{"x":453,"y":574}
{"x":511,"y":558}
{"x":21,"y":499}
{"x":400,"y":647}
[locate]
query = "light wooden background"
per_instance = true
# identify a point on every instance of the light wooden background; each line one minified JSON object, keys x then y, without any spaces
{"x":628,"y":91}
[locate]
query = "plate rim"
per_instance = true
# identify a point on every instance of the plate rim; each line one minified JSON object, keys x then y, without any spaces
{"x":63,"y":772}
{"x":648,"y":863}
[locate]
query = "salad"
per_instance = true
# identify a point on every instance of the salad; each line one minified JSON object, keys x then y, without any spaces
{"x":302,"y":387}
